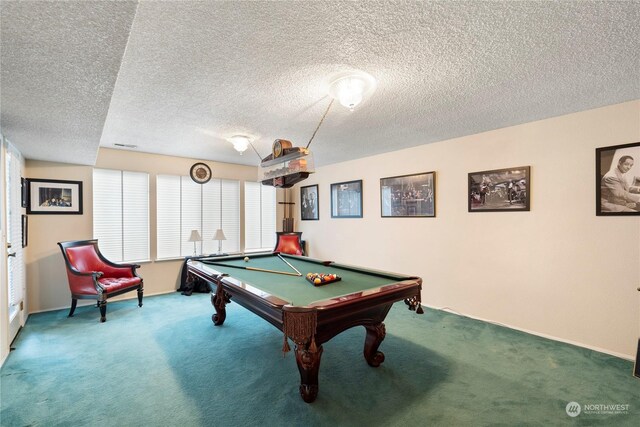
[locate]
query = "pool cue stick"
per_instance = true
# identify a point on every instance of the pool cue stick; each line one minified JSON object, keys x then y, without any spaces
{"x":294,"y":269}
{"x":254,"y":269}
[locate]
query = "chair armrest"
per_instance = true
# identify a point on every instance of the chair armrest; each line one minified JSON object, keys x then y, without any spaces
{"x":83,"y":283}
{"x":111,"y":269}
{"x":97,"y":274}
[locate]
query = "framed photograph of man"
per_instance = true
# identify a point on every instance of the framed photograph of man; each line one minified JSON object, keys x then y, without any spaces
{"x":51,"y":196}
{"x":618,"y":180}
{"x":346,"y":199}
{"x":408,"y":195}
{"x":309,"y":203}
{"x":499,"y":190}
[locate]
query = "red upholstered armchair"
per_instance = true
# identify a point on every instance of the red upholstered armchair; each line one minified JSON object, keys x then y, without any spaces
{"x":91,"y":275}
{"x":289,"y":243}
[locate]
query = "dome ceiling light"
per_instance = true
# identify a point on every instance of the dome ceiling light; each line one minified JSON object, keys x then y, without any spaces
{"x":351,"y":88}
{"x":240,"y":143}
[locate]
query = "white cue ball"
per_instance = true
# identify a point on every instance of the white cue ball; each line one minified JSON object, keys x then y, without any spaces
{"x":246,"y":259}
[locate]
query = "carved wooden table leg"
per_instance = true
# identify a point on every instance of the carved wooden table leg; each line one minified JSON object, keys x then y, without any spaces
{"x":219,"y":301}
{"x":375,"y":335}
{"x":308,"y":358}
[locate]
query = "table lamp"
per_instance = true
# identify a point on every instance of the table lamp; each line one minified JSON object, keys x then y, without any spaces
{"x":195,"y":237}
{"x":219,"y":236}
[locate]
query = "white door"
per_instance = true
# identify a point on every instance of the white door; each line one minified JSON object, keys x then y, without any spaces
{"x":12,"y":239}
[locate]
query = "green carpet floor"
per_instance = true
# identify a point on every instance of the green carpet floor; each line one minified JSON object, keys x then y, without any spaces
{"x":165,"y":364}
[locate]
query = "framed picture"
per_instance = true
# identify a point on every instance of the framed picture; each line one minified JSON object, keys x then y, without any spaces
{"x":499,"y":190}
{"x":309,"y":203}
{"x":50,"y":196}
{"x":346,"y":199}
{"x":408,"y":195}
{"x":25,"y":230}
{"x":24,"y":192}
{"x":618,"y":180}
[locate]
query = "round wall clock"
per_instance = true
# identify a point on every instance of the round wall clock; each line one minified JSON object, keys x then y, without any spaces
{"x":200,"y":173}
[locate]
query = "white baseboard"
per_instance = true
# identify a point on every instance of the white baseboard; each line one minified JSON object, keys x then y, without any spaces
{"x":538,"y":334}
{"x":86,"y":302}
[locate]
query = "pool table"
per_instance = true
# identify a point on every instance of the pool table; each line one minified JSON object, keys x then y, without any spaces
{"x":308,"y":315}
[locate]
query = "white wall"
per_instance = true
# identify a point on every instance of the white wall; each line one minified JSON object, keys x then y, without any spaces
{"x":47,"y":286}
{"x":557,"y":271}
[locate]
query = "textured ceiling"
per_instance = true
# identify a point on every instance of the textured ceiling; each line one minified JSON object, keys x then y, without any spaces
{"x":178,"y":78}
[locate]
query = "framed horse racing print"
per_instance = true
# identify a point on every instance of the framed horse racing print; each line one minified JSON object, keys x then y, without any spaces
{"x":499,"y":190}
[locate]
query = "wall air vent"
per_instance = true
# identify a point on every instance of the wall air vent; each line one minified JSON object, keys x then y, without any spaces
{"x":125,"y":145}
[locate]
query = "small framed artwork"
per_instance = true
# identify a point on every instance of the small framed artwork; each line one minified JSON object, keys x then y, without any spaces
{"x":25,"y":231}
{"x":309,"y":203}
{"x":499,"y":190}
{"x":346,"y":199}
{"x":408,"y":195}
{"x":24,"y":192}
{"x":618,"y":180}
{"x":51,"y":196}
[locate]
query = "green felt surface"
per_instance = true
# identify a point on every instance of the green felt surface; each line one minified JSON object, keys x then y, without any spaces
{"x":297,"y":290}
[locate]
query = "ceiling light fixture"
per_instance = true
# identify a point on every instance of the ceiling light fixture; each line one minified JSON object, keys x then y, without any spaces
{"x":351,"y":88}
{"x":240,"y":142}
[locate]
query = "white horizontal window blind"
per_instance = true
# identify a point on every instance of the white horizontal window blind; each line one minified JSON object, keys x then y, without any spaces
{"x":260,"y":216}
{"x":168,"y":216}
{"x":252,"y":229}
{"x":121,"y":214}
{"x":184,"y":206}
{"x":191,"y":215}
{"x":15,"y":264}
{"x":230,"y":221}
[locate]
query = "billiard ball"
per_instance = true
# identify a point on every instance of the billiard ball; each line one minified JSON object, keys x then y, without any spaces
{"x":246,"y":259}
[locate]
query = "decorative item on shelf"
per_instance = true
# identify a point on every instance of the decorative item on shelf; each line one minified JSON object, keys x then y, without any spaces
{"x":200,"y":173}
{"x":195,"y":238}
{"x":219,"y":236}
{"x":287,"y":165}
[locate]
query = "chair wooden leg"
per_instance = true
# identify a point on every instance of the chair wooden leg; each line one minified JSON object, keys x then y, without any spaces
{"x":140,"y":291}
{"x":74,"y":302}
{"x":102,"y":305}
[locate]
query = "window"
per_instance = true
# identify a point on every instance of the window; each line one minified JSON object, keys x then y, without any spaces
{"x":184,"y":205}
{"x":121,"y":214}
{"x":260,"y":216}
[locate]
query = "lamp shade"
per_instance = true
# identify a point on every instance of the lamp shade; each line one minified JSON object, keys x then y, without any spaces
{"x":195,"y":236}
{"x":219,"y":235}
